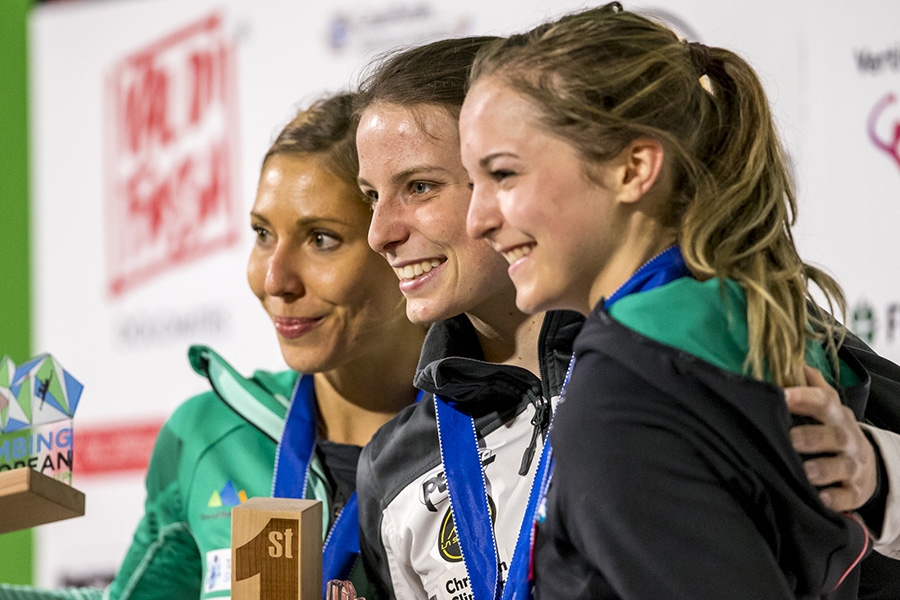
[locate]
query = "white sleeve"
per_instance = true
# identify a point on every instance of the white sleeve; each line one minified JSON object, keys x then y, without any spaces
{"x":404,"y":579}
{"x":888,"y":543}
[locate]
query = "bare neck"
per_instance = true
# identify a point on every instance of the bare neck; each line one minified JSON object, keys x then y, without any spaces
{"x":356,"y":399}
{"x":512,"y":340}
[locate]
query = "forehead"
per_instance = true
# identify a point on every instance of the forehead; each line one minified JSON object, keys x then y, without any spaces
{"x":415,"y":129}
{"x":304,"y":186}
{"x":491,"y":100}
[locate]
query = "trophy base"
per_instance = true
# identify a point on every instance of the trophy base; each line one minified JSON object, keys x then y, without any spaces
{"x":29,"y":499}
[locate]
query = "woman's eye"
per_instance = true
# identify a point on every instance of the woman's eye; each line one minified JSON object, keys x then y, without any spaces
{"x":323,"y":240}
{"x":262,"y":234}
{"x":501,"y":174}
{"x":421,"y":187}
{"x":370,"y":198}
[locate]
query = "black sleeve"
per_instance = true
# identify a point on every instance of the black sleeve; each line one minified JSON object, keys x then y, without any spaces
{"x":883,"y":406}
{"x":371,"y":546}
{"x":635,"y":506}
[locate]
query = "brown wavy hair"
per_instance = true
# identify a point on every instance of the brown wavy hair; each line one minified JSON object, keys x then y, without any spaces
{"x":603,"y":77}
{"x":327,"y":130}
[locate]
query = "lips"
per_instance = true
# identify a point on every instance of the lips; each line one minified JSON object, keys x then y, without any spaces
{"x":295,"y":327}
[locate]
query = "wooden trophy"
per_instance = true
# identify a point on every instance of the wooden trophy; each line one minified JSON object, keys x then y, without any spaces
{"x":276,"y":549}
{"x":29,"y":499}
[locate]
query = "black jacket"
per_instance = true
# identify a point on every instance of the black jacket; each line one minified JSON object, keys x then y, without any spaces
{"x":679,"y":481}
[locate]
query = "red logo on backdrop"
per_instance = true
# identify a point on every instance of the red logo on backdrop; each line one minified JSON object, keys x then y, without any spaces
{"x":123,"y":448}
{"x":171,"y":154}
{"x":889,"y":143}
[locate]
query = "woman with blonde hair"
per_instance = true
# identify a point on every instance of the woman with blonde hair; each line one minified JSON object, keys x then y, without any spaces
{"x":638,"y":180}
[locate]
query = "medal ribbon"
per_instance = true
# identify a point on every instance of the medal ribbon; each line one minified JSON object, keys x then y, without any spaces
{"x":293,"y":461}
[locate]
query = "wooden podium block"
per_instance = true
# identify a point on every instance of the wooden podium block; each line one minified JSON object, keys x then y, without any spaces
{"x":276,"y":549}
{"x":28,"y":499}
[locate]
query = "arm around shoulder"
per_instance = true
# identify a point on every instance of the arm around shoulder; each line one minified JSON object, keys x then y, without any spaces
{"x":887,"y":541}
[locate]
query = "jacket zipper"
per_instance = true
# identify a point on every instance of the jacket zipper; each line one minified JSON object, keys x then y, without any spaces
{"x":540,"y":421}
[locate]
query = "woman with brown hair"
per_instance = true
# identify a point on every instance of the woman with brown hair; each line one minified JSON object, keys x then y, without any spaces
{"x":446,"y":488}
{"x":338,"y":318}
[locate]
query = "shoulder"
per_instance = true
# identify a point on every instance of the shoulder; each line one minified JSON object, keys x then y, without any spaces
{"x":707,"y":319}
{"x":201,"y":412}
{"x":233,"y":401}
{"x":403,"y":449}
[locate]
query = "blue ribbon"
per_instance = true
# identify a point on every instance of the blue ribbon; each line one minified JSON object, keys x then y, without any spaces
{"x":298,"y":442}
{"x":471,"y":513}
{"x":293,"y":460}
{"x":468,"y":499}
{"x":664,"y":268}
{"x":341,"y":544}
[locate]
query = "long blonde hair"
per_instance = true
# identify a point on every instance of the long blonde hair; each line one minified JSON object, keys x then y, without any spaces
{"x":604,"y":77}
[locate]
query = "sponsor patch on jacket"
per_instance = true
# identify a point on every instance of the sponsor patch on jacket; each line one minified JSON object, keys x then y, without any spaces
{"x":448,"y":539}
{"x":227,"y":496}
{"x":218,"y":571}
{"x":454,"y":583}
{"x":434,"y":489}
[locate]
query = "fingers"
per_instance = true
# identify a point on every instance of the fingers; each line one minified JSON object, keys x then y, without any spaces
{"x":818,"y":399}
{"x":832,"y":435}
{"x":842,"y":499}
{"x":849,"y":469}
{"x":829,"y":470}
{"x":847,"y":488}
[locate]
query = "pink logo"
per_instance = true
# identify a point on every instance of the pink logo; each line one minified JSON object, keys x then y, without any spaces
{"x":171,"y":150}
{"x":891,"y":144}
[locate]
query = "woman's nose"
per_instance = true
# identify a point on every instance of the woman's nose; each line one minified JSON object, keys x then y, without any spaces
{"x":483,"y":216}
{"x":389,"y":227}
{"x":283,"y":276}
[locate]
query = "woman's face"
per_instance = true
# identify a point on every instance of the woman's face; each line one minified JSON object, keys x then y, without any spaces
{"x":330,"y":297}
{"x":410,"y":169}
{"x":534,"y":204}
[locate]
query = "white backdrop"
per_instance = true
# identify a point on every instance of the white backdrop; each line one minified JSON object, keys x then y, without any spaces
{"x":827,"y":66}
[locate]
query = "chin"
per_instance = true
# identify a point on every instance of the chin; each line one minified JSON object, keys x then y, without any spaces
{"x":422,"y":314}
{"x":530,"y":305}
{"x":308,"y":362}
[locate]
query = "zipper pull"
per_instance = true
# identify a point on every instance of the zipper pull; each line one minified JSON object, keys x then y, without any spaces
{"x":539,"y":421}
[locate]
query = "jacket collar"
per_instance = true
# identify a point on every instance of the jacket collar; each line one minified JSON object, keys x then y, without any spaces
{"x":452,"y":363}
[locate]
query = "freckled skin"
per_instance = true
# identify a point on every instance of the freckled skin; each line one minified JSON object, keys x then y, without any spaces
{"x":410,"y":167}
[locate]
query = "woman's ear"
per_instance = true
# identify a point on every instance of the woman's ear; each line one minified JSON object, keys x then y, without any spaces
{"x":639,"y":167}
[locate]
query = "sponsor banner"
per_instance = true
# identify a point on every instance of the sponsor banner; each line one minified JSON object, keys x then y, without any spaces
{"x":850,"y":186}
{"x":171,"y":148}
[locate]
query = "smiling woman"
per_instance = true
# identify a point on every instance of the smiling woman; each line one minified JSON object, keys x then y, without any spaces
{"x":332,"y":300}
{"x":338,"y":316}
{"x":419,"y":192}
{"x":638,"y":179}
{"x":445,"y":487}
{"x":339,"y":320}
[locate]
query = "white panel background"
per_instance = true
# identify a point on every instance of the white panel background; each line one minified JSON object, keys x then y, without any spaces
{"x":803,"y":49}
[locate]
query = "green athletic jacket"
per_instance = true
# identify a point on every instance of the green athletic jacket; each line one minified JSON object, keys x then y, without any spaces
{"x":217,"y":449}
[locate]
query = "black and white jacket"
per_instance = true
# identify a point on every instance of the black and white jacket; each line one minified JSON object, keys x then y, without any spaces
{"x":407,"y":537}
